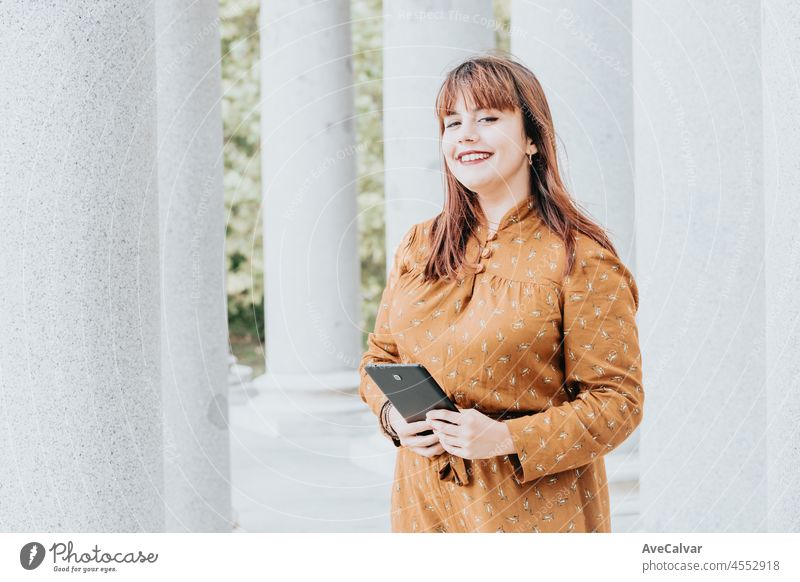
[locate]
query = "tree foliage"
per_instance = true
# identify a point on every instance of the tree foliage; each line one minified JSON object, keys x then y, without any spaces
{"x":242,"y":151}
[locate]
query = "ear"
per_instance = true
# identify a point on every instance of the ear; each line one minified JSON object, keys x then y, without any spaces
{"x":532,"y":149}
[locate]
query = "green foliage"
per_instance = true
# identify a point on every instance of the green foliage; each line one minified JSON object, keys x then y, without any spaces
{"x":242,"y":150}
{"x":502,"y":15}
{"x":367,"y":34}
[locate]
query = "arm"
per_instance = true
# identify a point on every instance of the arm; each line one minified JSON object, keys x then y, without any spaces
{"x":601,"y":359}
{"x":381,"y":346}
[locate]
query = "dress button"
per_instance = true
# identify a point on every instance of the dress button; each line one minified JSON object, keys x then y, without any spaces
{"x":481,"y":268}
{"x":492,"y":236}
{"x":486,"y":253}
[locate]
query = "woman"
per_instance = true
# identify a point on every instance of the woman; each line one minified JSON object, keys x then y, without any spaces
{"x":520,"y":308}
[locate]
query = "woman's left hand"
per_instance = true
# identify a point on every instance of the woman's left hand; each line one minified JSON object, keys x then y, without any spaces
{"x":470,"y":434}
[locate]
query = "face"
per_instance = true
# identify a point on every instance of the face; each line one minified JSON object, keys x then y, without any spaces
{"x":500,"y":148}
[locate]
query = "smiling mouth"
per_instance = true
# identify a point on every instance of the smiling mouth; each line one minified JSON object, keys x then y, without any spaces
{"x":472,"y":159}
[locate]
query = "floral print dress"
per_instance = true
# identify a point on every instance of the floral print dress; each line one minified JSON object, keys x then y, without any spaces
{"x":555,"y":358}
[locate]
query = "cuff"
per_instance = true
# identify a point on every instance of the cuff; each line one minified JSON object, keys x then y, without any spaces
{"x":516,"y":426}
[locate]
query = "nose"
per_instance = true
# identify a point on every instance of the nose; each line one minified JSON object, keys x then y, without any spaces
{"x":467,"y":134}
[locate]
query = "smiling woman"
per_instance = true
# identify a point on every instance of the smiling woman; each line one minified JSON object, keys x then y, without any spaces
{"x":519,"y":307}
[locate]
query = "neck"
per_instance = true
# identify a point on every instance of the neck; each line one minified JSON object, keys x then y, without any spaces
{"x":494,"y":207}
{"x":495,"y":203}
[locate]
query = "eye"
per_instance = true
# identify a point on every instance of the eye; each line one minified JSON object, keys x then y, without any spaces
{"x":453,"y":123}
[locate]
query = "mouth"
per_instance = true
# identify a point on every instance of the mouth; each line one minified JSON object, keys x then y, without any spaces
{"x":472,"y":158}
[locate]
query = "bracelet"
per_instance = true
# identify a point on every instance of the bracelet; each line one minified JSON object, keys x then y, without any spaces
{"x":386,"y":426}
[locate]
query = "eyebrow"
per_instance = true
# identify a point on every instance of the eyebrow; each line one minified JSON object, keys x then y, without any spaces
{"x":449,"y":113}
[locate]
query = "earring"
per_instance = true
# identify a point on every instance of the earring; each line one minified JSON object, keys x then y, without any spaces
{"x":530,"y":159}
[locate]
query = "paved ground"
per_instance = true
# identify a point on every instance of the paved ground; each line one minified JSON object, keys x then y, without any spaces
{"x":304,"y":480}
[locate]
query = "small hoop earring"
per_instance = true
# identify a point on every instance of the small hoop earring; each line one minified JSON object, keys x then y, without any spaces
{"x":530,"y":159}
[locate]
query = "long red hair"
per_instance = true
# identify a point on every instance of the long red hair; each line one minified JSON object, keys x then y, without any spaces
{"x":498,"y":82}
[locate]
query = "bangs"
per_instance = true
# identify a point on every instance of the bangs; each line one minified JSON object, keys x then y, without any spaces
{"x":483,"y":85}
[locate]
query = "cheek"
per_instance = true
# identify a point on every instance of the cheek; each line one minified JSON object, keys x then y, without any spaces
{"x":509,"y":156}
{"x":448,"y":149}
{"x":502,"y":142}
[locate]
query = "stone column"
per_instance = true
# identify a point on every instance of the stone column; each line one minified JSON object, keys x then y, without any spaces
{"x":194,"y":321}
{"x":701,"y":229}
{"x":422,"y":39}
{"x":309,"y":206}
{"x":581,"y":53}
{"x":781,"y":20}
{"x":80,"y":383}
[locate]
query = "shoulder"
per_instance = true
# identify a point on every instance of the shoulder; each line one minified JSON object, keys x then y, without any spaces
{"x":413,"y":245}
{"x":417,"y":237}
{"x":416,"y":230}
{"x":424,"y":228}
{"x":599,"y":271}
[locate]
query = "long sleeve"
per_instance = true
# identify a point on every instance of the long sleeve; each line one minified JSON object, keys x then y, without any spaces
{"x":381,"y":346}
{"x":601,"y":359}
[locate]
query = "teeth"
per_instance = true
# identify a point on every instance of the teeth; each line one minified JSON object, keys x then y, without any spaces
{"x":471,"y":157}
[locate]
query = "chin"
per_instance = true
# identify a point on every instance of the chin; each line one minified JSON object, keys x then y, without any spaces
{"x":478,"y":185}
{"x":475,"y":187}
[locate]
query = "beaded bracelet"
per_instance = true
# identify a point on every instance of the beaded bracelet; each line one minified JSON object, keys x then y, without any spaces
{"x":386,"y":425}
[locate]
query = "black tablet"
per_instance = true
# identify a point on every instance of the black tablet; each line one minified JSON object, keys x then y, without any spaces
{"x":411,"y":390}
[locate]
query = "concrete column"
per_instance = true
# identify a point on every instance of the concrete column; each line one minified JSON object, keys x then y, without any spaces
{"x":310,"y":232}
{"x":780,"y":66}
{"x":581,"y":53}
{"x":422,"y":40}
{"x":80,"y":383}
{"x":194,"y":317}
{"x":701,"y":229}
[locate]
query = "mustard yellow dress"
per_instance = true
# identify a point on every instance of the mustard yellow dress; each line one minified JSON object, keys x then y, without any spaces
{"x":556,"y":359}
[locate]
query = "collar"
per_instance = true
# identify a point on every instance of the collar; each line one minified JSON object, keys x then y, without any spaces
{"x":512,"y":216}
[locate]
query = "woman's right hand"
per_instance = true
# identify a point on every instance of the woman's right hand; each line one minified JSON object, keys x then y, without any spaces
{"x":407,"y":432}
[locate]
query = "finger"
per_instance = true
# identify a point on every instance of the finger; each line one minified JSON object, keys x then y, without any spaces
{"x":418,"y":427}
{"x":421,"y":441}
{"x":453,"y":442}
{"x":442,"y":414}
{"x":436,"y":449}
{"x":451,"y":446}
{"x":411,"y":430}
{"x":446,"y":428}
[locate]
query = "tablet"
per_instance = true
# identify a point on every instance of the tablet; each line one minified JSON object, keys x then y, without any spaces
{"x":411,"y":390}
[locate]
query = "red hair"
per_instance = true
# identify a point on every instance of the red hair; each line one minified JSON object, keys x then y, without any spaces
{"x":498,"y":82}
